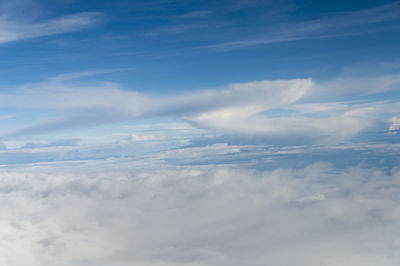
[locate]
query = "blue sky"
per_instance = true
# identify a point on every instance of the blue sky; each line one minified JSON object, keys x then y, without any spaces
{"x":199,"y":133}
{"x":189,"y":45}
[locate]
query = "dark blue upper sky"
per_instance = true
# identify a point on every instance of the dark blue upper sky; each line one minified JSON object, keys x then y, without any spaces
{"x":179,"y":45}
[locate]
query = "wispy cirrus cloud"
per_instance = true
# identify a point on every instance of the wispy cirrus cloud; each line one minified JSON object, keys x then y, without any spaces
{"x":352,"y":87}
{"x":332,"y":25}
{"x":15,"y":29}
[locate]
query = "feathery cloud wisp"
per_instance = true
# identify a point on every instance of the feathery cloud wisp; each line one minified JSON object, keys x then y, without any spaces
{"x":342,"y":24}
{"x":12,"y":29}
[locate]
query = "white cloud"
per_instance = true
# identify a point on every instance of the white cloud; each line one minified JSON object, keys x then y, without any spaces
{"x":328,"y":128}
{"x":395,"y":123}
{"x":395,"y":126}
{"x":298,"y":106}
{"x":12,"y":29}
{"x":252,"y":97}
{"x":201,"y":216}
{"x":107,"y":103}
{"x":352,"y":87}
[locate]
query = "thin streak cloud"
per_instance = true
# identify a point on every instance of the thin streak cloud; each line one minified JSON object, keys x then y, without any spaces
{"x":345,"y":24}
{"x":12,"y":29}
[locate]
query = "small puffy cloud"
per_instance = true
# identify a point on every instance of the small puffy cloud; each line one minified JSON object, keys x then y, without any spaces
{"x":395,"y":123}
{"x":395,"y":126}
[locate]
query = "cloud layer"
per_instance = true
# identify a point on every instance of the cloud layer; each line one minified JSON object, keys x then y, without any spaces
{"x":268,"y":108}
{"x":201,"y":216}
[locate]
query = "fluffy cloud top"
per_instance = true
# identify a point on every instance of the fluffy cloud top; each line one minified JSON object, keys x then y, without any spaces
{"x":201,"y":216}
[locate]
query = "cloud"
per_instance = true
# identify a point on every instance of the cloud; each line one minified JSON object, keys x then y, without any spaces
{"x":105,"y":103}
{"x":277,"y":109}
{"x":194,"y":14}
{"x":327,"y":26}
{"x":330,"y":128}
{"x":155,"y":147}
{"x":252,"y":97}
{"x":394,"y":127}
{"x":204,"y":216}
{"x":395,"y":123}
{"x":12,"y":29}
{"x":56,"y":143}
{"x":352,"y":87}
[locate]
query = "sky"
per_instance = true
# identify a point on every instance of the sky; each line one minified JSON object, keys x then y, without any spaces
{"x":199,"y":133}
